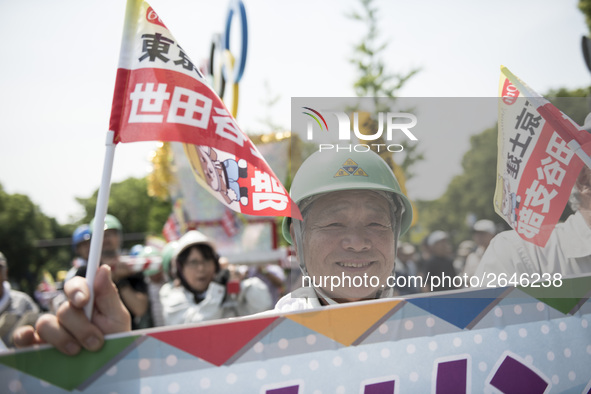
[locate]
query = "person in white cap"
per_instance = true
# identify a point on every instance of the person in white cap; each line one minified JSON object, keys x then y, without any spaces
{"x":201,"y":290}
{"x":483,"y":232}
{"x":440,"y":264}
{"x":406,"y":267}
{"x":462,"y":252}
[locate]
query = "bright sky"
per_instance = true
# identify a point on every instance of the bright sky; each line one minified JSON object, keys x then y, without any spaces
{"x":60,"y":60}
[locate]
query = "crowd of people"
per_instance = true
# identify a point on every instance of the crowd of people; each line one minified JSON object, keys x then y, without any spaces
{"x":181,"y":282}
{"x":436,"y":257}
{"x":351,"y":227}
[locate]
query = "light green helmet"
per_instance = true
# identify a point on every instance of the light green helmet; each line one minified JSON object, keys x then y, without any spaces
{"x":153,"y":253}
{"x":111,"y":222}
{"x":167,"y":256}
{"x":325,"y":172}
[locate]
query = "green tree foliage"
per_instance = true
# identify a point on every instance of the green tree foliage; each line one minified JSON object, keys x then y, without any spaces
{"x":374,"y":80}
{"x":585,"y":7}
{"x":22,"y":225}
{"x":469,"y":193}
{"x":130,"y":203}
{"x":33,"y":242}
{"x":575,"y":103}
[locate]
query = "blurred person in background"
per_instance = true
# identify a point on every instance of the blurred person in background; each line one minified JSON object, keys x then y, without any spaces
{"x":406,"y":267}
{"x":423,"y":256}
{"x":131,"y":285}
{"x":203,"y":291}
{"x":168,"y":262}
{"x":81,"y":249}
{"x":464,"y":249}
{"x":16,"y":308}
{"x":483,"y":232}
{"x":272,"y":275}
{"x":155,"y":276}
{"x":440,"y":264}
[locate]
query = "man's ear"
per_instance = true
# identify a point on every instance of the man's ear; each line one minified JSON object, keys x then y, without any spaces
{"x":293,"y":238}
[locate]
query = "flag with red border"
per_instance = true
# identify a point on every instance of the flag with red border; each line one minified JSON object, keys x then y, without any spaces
{"x":160,"y":95}
{"x":537,"y":165}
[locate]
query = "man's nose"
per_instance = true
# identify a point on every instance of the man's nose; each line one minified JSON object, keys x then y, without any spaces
{"x":356,"y":239}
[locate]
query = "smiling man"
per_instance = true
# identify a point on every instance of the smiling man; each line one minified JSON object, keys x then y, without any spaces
{"x":353,"y":211}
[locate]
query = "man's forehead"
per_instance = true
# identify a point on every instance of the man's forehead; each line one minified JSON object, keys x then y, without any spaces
{"x":342,"y":198}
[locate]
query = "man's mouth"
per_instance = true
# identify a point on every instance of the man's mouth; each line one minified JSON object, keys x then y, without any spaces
{"x":354,"y":264}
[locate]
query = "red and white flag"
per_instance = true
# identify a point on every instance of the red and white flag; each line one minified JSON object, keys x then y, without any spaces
{"x":160,"y":95}
{"x":176,"y":224}
{"x":171,"y":230}
{"x":229,"y":223}
{"x":541,"y":152}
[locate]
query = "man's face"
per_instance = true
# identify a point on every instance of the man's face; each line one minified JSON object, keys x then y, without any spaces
{"x":111,"y":242}
{"x":350,"y":233}
{"x":404,"y":257}
{"x":83,"y":249}
{"x":442,"y":248}
{"x":482,"y":238}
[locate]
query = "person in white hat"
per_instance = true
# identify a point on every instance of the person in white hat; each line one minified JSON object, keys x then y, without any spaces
{"x":406,"y":267}
{"x":201,"y":291}
{"x":483,"y":232}
{"x":440,"y":264}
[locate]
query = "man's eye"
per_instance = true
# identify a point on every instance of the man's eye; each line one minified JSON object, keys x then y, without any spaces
{"x":380,"y":225}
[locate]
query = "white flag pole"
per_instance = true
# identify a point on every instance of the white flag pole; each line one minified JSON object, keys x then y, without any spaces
{"x":102,"y":202}
{"x":575,"y":147}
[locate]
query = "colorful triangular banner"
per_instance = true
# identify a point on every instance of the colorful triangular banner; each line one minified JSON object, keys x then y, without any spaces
{"x":446,"y":306}
{"x":67,"y":372}
{"x":564,"y":298}
{"x":215,"y":343}
{"x":345,"y":325}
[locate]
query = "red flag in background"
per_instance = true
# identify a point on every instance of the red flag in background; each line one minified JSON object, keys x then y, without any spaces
{"x":541,"y":153}
{"x":160,"y":95}
{"x":171,"y":230}
{"x":176,"y":225}
{"x":229,"y":223}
